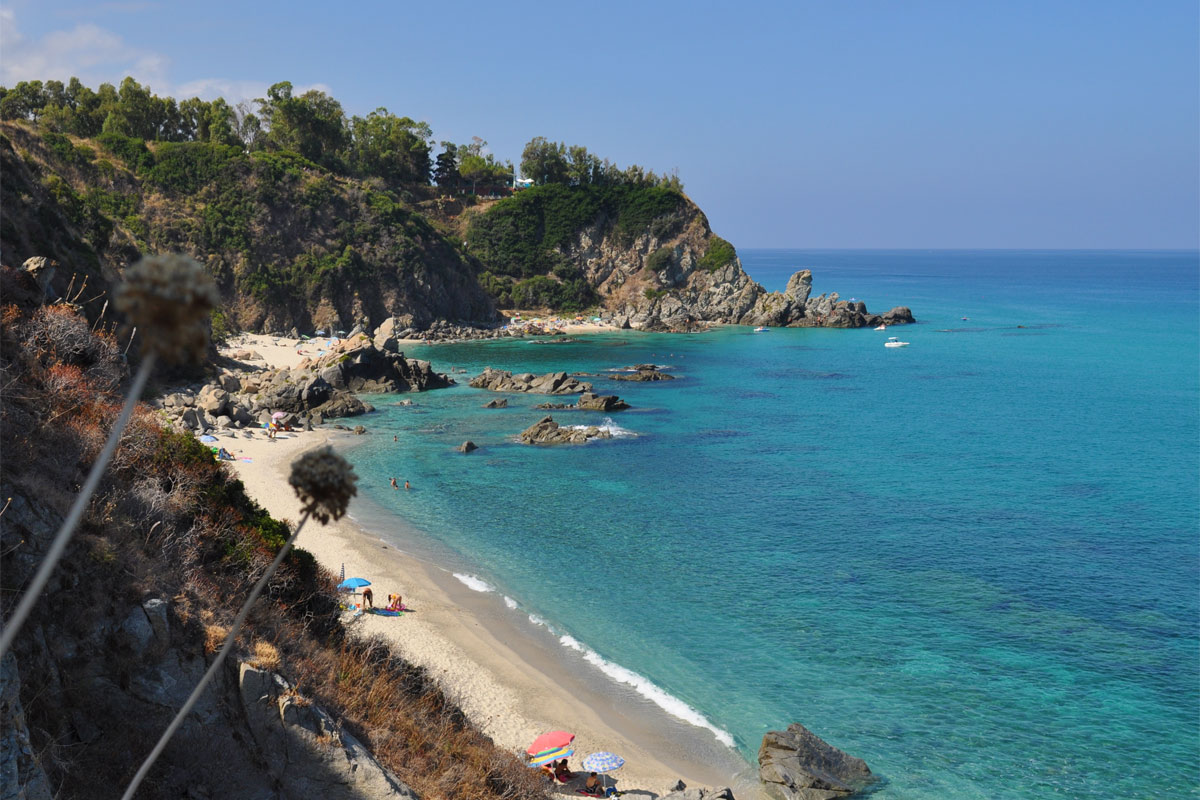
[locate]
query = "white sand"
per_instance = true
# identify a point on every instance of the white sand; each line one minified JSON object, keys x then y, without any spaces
{"x":511,"y":686}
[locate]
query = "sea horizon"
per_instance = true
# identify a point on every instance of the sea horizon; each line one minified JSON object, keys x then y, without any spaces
{"x":884,"y":642}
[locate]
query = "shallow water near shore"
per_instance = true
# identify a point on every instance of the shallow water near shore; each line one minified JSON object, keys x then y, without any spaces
{"x":972,"y":561}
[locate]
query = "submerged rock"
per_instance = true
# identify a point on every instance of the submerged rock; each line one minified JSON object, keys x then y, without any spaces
{"x":798,"y":765}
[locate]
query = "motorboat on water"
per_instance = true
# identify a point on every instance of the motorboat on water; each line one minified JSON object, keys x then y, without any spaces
{"x":761,"y":329}
{"x":882,"y":328}
{"x":894,"y":342}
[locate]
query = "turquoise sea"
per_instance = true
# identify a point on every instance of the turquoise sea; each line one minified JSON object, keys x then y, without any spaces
{"x":973,"y":562}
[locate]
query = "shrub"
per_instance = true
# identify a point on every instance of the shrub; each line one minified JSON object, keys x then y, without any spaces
{"x":719,"y":253}
{"x":660,"y":259}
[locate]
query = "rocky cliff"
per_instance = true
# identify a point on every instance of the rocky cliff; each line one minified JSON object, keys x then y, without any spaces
{"x":650,"y":258}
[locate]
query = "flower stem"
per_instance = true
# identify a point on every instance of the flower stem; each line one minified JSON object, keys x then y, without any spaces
{"x":33,"y":592}
{"x":217,"y":662}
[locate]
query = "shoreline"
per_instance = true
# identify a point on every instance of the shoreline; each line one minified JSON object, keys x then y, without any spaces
{"x":512,"y":680}
{"x":512,"y":677}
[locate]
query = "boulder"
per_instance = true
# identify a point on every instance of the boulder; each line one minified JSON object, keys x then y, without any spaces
{"x":547,"y":431}
{"x":499,"y":402}
{"x":643,"y":372}
{"x":359,"y":430}
{"x":797,"y":765}
{"x":230,"y":382}
{"x":467,"y":447}
{"x":213,"y":400}
{"x":592,"y":402}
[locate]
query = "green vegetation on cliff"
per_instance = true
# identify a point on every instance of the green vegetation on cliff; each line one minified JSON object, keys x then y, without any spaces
{"x":307,"y":217}
{"x":521,"y":240}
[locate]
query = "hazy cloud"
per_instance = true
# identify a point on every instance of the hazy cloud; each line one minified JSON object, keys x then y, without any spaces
{"x":86,"y":51}
{"x":235,"y":91}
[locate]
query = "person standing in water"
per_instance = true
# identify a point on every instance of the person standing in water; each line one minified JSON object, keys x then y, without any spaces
{"x":394,"y":486}
{"x":406,"y":486}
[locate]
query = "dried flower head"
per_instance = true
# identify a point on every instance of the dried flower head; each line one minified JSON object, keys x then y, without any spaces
{"x":169,"y":298}
{"x":324,"y":482}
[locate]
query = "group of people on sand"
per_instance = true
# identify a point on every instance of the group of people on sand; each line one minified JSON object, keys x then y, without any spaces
{"x":395,"y":602}
{"x":558,"y":771}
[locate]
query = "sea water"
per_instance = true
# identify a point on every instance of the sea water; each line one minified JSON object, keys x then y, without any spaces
{"x":972,"y":561}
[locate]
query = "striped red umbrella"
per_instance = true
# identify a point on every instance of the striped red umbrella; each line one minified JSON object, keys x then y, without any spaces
{"x":550,"y":741}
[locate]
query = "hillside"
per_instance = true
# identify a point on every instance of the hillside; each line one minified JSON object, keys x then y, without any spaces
{"x":290,"y":243}
{"x":165,"y":555}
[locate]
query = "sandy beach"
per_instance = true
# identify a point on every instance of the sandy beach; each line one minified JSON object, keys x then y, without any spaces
{"x":513,"y":681}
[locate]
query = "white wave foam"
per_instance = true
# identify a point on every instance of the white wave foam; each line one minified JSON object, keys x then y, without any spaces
{"x":536,"y":620}
{"x":643,"y":686}
{"x":474,"y":584}
{"x":607,"y":425}
{"x":508,"y":601}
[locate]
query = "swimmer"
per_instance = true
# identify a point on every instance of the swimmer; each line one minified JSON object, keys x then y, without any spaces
{"x":394,"y":486}
{"x":395,"y":438}
{"x":406,"y":486}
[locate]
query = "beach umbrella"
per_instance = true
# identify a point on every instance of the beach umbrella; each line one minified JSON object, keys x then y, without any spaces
{"x":550,"y":741}
{"x":602,"y":762}
{"x":320,"y":333}
{"x":279,"y":415}
{"x":207,"y":438}
{"x":354,"y":583}
{"x":551,"y":755}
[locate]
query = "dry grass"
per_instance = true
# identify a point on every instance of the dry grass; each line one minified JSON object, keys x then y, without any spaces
{"x":266,"y":656}
{"x":214,"y":638}
{"x":171,"y":522}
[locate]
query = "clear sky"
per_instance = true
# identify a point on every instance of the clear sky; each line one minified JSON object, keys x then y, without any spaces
{"x":792,"y":124}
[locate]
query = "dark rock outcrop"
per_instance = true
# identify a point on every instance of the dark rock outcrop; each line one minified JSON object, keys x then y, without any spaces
{"x":467,"y":447}
{"x":317,"y":389}
{"x":799,"y":765}
{"x":306,"y":751}
{"x":643,"y":372}
{"x":590,"y":402}
{"x":551,"y":383}
{"x":499,"y":402}
{"x":547,"y":431}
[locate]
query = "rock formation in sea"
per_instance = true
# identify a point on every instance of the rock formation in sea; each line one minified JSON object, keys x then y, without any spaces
{"x":551,"y":383}
{"x":796,"y":764}
{"x":547,"y":431}
{"x":590,"y":402}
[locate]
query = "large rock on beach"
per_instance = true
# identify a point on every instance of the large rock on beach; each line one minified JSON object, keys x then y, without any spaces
{"x":547,"y":431}
{"x":797,"y":764}
{"x":495,"y":380}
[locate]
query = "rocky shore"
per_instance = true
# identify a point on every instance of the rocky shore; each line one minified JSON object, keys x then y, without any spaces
{"x":547,"y":431}
{"x":247,"y":396}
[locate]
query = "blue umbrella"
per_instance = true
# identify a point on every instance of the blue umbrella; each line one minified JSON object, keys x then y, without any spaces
{"x":208,"y":438}
{"x":354,"y":583}
{"x":602,"y":762}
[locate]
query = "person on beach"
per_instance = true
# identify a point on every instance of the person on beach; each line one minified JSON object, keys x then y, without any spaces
{"x":562,"y":772}
{"x":395,"y":603}
{"x":549,"y":773}
{"x":394,"y":486}
{"x":368,"y":598}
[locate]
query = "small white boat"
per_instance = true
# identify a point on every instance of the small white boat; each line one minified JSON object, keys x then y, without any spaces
{"x":894,"y":342}
{"x":761,"y":329}
{"x":882,"y":328}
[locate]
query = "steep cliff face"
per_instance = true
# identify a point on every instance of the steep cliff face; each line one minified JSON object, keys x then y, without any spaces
{"x":671,"y":277}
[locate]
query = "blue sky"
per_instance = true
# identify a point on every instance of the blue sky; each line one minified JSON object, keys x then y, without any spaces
{"x":793,"y":124}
